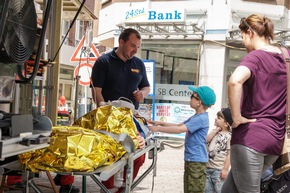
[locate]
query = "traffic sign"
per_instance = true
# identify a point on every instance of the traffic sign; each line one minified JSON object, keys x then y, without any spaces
{"x":84,"y":71}
{"x":80,"y":54}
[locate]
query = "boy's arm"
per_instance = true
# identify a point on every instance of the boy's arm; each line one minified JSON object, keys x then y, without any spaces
{"x":226,"y":167}
{"x":169,"y":129}
{"x":211,"y":134}
{"x":161,"y":123}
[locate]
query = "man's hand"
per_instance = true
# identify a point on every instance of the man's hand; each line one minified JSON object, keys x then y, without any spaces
{"x":138,"y":95}
{"x":102,"y":103}
{"x":141,"y":142}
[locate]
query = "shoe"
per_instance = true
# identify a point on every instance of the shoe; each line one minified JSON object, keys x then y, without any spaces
{"x":56,"y":180}
{"x":68,"y":189}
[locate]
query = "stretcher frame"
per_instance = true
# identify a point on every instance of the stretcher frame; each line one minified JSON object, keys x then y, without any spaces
{"x":100,"y":174}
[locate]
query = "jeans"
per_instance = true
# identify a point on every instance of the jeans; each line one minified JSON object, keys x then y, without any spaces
{"x":247,"y":166}
{"x":214,"y":182}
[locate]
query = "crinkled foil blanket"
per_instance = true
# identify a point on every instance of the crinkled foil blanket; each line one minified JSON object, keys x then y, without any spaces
{"x":79,"y":147}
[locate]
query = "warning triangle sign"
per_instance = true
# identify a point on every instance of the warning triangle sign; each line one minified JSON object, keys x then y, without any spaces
{"x":81,"y":55}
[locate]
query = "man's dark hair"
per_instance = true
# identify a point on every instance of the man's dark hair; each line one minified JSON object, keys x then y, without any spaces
{"x":127,"y":32}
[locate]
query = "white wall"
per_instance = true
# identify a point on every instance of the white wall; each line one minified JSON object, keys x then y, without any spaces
{"x":212,"y":73}
{"x":66,"y":53}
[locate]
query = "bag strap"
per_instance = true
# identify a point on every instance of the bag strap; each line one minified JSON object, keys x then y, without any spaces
{"x":123,"y":138}
{"x":285,"y":54}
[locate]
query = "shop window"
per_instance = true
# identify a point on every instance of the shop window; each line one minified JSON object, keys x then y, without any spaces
{"x":66,"y":74}
{"x":65,"y":28}
{"x":66,"y":90}
{"x":233,"y":57}
{"x":66,"y":84}
{"x":80,"y":29}
{"x":175,"y":61}
{"x":236,"y":55}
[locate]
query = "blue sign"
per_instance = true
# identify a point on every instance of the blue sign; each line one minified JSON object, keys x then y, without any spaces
{"x":143,"y":14}
{"x":164,"y":16}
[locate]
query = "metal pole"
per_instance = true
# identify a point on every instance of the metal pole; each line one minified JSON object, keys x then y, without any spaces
{"x":53,"y":71}
{"x":76,"y":95}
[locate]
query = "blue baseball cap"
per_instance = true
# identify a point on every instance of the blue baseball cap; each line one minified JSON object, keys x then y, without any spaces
{"x":206,"y":94}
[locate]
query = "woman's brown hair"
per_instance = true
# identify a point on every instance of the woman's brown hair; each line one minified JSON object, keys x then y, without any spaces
{"x":260,"y":24}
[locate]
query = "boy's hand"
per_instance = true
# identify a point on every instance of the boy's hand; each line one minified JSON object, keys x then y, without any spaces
{"x":150,"y":122}
{"x":224,"y":174}
{"x":153,"y":128}
{"x":218,"y":129}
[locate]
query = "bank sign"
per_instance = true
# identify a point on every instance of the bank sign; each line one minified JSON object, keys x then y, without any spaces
{"x":142,"y":14}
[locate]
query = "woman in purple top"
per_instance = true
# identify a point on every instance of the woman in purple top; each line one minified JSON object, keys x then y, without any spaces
{"x":257,"y":97}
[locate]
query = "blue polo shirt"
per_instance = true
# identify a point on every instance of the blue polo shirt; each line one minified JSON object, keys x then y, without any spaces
{"x":118,"y":78}
{"x":195,"y":138}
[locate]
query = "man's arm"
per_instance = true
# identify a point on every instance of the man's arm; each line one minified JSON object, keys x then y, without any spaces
{"x":97,"y":95}
{"x":145,"y":91}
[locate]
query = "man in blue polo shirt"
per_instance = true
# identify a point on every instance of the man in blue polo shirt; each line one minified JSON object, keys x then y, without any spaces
{"x":120,"y":73}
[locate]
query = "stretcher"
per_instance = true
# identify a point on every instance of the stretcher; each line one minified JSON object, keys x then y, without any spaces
{"x":100,"y":174}
{"x":104,"y":173}
{"x":18,"y":145}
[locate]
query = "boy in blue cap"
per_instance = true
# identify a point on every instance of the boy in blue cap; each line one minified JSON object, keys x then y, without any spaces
{"x":196,"y":128}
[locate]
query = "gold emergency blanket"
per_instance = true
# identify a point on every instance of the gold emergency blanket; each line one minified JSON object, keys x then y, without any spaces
{"x":79,"y":147}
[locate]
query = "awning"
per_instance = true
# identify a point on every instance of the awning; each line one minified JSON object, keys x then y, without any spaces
{"x":70,"y":7}
{"x":167,"y":30}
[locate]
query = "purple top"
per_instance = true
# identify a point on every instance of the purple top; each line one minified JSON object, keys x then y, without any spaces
{"x":264,"y":98}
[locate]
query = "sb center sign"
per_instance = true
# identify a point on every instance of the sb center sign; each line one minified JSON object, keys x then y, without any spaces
{"x":172,"y":92}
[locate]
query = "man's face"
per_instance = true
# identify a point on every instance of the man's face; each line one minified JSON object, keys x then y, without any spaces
{"x":130,"y":47}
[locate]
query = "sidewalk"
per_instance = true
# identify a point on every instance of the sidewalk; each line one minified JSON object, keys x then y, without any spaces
{"x":169,"y":173}
{"x":169,"y":176}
